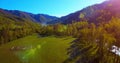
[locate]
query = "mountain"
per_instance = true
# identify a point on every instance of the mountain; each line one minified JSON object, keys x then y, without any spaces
{"x":25,"y":16}
{"x":96,"y":13}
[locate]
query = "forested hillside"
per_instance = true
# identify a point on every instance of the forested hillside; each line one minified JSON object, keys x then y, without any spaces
{"x":95,"y":13}
{"x":11,"y":29}
{"x":96,"y":44}
{"x":15,"y":24}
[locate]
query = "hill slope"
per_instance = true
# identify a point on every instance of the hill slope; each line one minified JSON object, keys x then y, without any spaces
{"x":21,"y":16}
{"x":96,"y":13}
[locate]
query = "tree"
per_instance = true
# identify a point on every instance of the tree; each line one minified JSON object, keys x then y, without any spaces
{"x":92,"y":46}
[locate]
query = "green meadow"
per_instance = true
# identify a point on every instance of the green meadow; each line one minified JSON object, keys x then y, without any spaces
{"x":36,"y":49}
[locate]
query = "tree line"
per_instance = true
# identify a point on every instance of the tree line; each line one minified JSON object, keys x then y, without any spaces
{"x":94,"y":43}
{"x":12,"y":30}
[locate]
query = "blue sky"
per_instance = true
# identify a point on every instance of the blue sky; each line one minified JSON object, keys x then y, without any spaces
{"x":51,"y":7}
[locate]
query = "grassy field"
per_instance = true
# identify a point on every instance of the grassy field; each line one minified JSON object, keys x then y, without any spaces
{"x":36,"y":50}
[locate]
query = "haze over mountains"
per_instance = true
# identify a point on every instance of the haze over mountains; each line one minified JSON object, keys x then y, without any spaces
{"x":95,"y":13}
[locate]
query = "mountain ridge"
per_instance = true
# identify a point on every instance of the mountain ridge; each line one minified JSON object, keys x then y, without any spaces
{"x":39,"y":18}
{"x":96,"y":13}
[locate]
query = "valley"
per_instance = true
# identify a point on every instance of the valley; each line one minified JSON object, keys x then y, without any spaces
{"x":88,"y":35}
